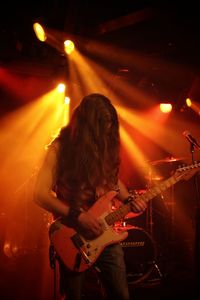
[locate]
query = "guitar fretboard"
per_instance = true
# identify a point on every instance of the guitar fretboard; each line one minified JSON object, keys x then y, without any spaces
{"x":120,"y":213}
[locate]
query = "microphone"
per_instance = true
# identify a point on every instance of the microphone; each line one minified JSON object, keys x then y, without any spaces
{"x":191,"y":139}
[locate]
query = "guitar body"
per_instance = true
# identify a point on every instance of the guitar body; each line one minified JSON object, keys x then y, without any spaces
{"x":77,"y":253}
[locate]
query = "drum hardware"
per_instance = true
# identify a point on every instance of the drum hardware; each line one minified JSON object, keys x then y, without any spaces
{"x":154,"y":177}
{"x":169,"y":159}
{"x":139,"y":254}
{"x":145,"y":269}
{"x":158,"y":270}
{"x":169,"y":202}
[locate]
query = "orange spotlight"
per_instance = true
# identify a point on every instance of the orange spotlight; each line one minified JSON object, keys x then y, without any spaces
{"x":165,"y":107}
{"x":39,"y":32}
{"x":188,"y":102}
{"x":67,"y":100}
{"x":68,"y":46}
{"x":61,"y":87}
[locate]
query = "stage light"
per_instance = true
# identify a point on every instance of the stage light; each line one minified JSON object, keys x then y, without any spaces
{"x":39,"y":32}
{"x":194,"y":105}
{"x":188,"y":102}
{"x":165,"y":107}
{"x":68,"y":46}
{"x":61,"y":87}
{"x":67,"y":100}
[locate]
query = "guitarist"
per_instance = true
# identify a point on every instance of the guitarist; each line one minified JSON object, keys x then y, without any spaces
{"x":82,"y":165}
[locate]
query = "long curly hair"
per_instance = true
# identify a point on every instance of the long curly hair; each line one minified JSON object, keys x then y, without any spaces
{"x":89,"y":146}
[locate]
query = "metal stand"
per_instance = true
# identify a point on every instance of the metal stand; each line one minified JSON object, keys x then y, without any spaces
{"x":149,"y":212}
{"x":150,"y":222}
{"x":197,"y":223}
{"x":158,"y":270}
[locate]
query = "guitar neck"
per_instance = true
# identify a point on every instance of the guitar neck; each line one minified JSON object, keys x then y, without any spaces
{"x":181,"y":173}
{"x":120,"y":213}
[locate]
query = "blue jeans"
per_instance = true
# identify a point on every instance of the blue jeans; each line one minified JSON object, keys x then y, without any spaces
{"x":111,"y":270}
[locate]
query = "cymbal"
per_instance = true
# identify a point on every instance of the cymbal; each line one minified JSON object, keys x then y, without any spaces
{"x":154,"y":177}
{"x":166,"y":160}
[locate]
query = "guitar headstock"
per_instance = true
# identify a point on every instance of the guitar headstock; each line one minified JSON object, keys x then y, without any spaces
{"x":186,"y":172}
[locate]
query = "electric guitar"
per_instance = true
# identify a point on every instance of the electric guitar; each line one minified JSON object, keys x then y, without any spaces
{"x":79,"y":254}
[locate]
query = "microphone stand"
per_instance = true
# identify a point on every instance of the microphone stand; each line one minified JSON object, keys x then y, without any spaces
{"x":197,"y":224}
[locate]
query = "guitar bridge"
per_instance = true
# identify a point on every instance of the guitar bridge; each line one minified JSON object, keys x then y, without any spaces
{"x":78,"y":242}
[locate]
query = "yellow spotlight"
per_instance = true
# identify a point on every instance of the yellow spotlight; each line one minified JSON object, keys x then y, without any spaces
{"x":188,"y":102}
{"x":39,"y":32}
{"x":61,"y":87}
{"x":165,"y":107}
{"x":67,"y":100}
{"x":68,"y":46}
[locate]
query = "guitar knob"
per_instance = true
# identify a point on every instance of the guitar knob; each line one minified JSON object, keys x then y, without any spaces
{"x":88,"y":253}
{"x":88,"y":246}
